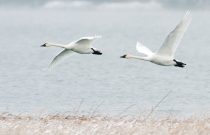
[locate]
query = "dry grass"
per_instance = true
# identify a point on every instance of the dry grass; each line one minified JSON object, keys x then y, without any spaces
{"x":98,"y":125}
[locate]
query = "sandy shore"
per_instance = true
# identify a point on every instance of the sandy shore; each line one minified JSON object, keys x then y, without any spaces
{"x":100,"y":125}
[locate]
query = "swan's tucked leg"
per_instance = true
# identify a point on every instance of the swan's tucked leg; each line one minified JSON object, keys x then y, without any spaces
{"x":96,"y":52}
{"x":179,"y":64}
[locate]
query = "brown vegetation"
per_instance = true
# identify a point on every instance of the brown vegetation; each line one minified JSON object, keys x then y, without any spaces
{"x":99,"y":125}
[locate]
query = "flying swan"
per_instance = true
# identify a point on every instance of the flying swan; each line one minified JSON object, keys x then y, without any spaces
{"x":165,"y":55}
{"x":81,"y":46}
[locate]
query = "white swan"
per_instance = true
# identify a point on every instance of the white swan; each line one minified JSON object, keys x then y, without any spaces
{"x":82,"y":46}
{"x":165,"y":55}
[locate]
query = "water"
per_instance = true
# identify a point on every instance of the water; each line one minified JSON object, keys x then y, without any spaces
{"x":106,"y":84}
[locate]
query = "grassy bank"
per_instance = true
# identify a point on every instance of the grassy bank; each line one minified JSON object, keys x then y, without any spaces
{"x":99,"y":125}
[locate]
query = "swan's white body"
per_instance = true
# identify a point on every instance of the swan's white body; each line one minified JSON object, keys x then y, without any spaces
{"x":165,"y":55}
{"x":81,"y":46}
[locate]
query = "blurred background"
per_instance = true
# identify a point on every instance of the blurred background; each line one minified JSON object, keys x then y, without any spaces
{"x":174,"y":4}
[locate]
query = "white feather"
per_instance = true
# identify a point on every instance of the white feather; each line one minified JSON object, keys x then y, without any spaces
{"x":84,"y":41}
{"x":172,"y":41}
{"x":61,"y":56}
{"x":143,"y":49}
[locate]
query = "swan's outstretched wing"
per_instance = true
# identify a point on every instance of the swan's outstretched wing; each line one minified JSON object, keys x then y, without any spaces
{"x":143,"y":49}
{"x":85,"y":42}
{"x":61,"y":56}
{"x":172,"y":41}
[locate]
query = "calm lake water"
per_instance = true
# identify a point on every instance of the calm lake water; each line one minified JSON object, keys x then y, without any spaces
{"x":106,"y":83}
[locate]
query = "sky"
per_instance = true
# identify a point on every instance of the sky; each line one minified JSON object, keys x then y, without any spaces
{"x":176,"y":4}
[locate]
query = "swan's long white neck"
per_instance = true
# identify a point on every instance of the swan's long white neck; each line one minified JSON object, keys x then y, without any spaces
{"x":146,"y":58}
{"x":55,"y":45}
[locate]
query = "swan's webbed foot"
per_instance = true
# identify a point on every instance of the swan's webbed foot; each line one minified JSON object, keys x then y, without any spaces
{"x":179,"y":64}
{"x":96,"y":52}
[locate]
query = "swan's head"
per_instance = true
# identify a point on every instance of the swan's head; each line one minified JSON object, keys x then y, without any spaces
{"x":45,"y":45}
{"x":126,"y":56}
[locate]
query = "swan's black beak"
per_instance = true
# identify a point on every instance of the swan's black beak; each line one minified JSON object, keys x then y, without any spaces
{"x":44,"y":45}
{"x":124,"y":56}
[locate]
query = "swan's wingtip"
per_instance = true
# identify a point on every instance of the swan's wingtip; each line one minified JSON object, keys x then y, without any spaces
{"x":50,"y":67}
{"x":137,"y":43}
{"x":187,"y":14}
